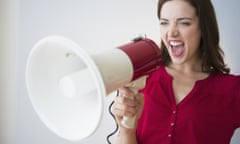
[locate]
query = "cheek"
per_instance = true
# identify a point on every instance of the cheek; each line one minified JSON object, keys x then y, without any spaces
{"x":193,"y":38}
{"x":163,"y":32}
{"x":164,"y":42}
{"x":195,"y":41}
{"x":164,"y":37}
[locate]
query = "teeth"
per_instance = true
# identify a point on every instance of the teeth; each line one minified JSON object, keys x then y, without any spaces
{"x":174,"y":43}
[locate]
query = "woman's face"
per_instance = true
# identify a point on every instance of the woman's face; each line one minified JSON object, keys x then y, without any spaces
{"x":180,"y":31}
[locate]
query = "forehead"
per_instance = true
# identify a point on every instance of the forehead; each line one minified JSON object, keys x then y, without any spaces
{"x":176,"y":9}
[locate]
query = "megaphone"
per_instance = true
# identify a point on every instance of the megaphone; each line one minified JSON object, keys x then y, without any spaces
{"x":67,"y":86}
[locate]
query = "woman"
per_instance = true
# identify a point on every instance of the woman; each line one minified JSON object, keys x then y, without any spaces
{"x":191,"y":98}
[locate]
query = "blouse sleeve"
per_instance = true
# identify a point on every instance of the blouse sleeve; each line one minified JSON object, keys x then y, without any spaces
{"x":236,"y":108}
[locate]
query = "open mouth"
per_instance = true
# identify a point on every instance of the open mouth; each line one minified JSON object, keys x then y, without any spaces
{"x":177,"y":48}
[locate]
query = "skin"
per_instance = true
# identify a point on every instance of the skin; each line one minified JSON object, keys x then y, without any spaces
{"x":179,"y":24}
{"x":182,"y":26}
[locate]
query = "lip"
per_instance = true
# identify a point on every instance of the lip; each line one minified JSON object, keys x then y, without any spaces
{"x":175,"y":41}
{"x":175,"y":53}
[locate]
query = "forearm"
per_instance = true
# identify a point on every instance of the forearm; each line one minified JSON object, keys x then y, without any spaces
{"x":128,"y":107}
{"x":127,"y":137}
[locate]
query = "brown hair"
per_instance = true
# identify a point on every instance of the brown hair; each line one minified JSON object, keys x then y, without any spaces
{"x":210,"y":51}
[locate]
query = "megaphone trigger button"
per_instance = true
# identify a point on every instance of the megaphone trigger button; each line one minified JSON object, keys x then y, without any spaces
{"x":132,"y":84}
{"x":137,"y":39}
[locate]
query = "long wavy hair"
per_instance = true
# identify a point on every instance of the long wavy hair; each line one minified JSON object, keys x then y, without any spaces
{"x":210,"y":51}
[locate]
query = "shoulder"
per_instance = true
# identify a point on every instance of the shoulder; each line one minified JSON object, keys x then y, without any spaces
{"x":226,"y":77}
{"x":225,"y":82}
{"x":158,"y":74}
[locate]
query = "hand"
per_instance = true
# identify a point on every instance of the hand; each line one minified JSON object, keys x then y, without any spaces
{"x":127,"y":104}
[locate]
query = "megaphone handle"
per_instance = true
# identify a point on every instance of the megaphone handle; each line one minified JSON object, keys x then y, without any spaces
{"x":129,"y":122}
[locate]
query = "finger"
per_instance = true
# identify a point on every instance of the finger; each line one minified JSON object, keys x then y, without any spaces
{"x":126,"y":100}
{"x":125,"y":91}
{"x":140,"y":103}
{"x":124,"y":110}
{"x":139,"y":98}
{"x":127,"y":108}
{"x":120,"y":112}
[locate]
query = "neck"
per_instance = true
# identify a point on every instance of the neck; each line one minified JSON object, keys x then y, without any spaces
{"x":187,"y":68}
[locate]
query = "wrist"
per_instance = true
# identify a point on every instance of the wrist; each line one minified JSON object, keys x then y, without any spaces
{"x":125,"y":132}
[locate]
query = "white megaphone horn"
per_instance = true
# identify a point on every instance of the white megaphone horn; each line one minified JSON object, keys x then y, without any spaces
{"x":67,"y":86}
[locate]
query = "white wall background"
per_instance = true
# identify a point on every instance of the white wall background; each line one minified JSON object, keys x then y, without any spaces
{"x":95,"y":25}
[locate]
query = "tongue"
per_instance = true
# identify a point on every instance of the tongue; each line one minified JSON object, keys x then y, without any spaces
{"x":177,"y":50}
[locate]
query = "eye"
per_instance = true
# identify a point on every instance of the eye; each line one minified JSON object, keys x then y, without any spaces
{"x":163,"y":23}
{"x":185,"y":23}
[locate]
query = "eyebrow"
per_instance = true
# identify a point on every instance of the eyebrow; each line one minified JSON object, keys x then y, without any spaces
{"x":179,"y":19}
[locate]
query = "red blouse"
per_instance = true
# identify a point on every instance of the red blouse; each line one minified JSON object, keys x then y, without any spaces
{"x":209,"y":114}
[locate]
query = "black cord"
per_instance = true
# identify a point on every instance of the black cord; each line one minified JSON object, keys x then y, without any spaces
{"x":116,"y":129}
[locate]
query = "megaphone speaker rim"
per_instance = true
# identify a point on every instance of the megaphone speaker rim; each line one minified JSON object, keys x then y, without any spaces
{"x":94,"y":72}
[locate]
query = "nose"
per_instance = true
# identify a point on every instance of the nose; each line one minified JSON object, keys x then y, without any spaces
{"x":173,"y":31}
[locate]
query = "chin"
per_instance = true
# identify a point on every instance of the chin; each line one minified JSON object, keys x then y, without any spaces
{"x":177,"y":61}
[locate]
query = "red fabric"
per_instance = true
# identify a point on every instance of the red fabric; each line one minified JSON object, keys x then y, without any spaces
{"x":209,"y":114}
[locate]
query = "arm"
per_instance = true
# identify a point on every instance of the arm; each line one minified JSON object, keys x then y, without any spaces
{"x":127,"y":104}
{"x":127,"y":136}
